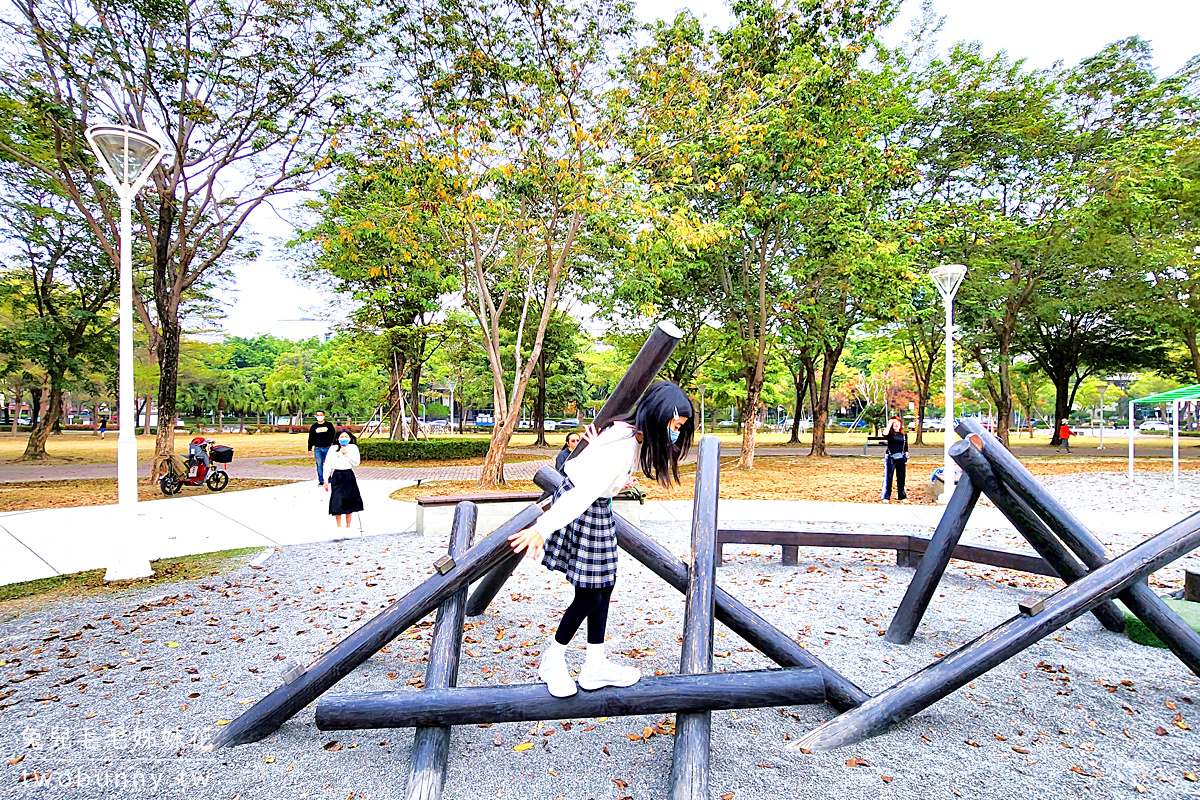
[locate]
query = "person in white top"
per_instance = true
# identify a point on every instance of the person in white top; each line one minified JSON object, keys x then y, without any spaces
{"x":577,"y":533}
{"x":344,"y":497}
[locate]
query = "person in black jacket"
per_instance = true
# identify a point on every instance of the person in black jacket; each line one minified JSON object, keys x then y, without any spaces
{"x":567,"y":448}
{"x":895,"y":460}
{"x":320,"y":439}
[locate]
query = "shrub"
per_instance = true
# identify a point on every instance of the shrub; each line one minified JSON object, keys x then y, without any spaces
{"x":431,"y":450}
{"x":250,"y":431}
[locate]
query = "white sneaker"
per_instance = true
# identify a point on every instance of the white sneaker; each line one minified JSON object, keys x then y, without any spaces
{"x":553,"y":671}
{"x":885,"y":500}
{"x":599,"y":672}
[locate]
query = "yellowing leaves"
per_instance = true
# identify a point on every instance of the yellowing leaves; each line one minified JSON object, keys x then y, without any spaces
{"x":523,"y":746}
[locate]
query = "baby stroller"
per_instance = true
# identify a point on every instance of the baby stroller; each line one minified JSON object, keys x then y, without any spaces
{"x":205,"y":464}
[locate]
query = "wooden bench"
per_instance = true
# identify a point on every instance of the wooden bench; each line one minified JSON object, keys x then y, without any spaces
{"x":909,"y":549}
{"x":874,"y":441}
{"x":435,"y":513}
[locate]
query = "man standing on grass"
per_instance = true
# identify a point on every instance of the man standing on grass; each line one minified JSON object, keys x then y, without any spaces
{"x":320,"y":439}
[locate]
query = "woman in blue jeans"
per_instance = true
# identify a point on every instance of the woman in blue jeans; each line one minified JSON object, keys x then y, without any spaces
{"x":895,"y":460}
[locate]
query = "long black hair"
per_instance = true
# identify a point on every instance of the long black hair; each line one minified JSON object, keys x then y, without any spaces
{"x":661,"y":403}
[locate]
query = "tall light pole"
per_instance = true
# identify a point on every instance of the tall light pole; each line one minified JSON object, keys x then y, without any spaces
{"x":127,"y":156}
{"x":947,"y":279}
{"x":1102,"y":389}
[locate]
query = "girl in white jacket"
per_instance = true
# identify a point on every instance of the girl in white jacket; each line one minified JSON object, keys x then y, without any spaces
{"x":578,"y":534}
{"x":344,"y":497}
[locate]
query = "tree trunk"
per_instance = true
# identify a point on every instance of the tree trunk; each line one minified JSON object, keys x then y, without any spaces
{"x":1062,"y":409}
{"x":821,"y":400}
{"x":1190,"y":338}
{"x":539,"y":408}
{"x":800,"y":382}
{"x":415,"y":394}
{"x":493,"y":465}
{"x":18,"y":393}
{"x":96,"y":419}
{"x":749,"y":426}
{"x":35,"y":405}
{"x":167,"y":353}
{"x":242,"y":423}
{"x":35,"y":448}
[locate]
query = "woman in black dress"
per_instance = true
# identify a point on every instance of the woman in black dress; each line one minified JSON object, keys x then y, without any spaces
{"x":344,"y":497}
{"x":895,"y":460}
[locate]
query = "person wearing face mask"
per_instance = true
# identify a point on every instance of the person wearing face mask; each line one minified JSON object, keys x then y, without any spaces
{"x":579,"y":536}
{"x":895,"y":460}
{"x":320,"y":438}
{"x":344,"y":497}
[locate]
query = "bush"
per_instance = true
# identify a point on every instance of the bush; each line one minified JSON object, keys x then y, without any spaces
{"x":431,"y":450}
{"x":250,"y":431}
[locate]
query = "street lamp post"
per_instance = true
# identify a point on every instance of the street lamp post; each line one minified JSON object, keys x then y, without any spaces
{"x":127,"y":156}
{"x":1102,"y":389}
{"x":947,"y":279}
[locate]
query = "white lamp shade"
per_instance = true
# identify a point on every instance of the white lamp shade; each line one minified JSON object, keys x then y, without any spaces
{"x":948,"y":278}
{"x":126,"y":154}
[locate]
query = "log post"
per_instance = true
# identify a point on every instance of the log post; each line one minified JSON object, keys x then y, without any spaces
{"x":264,"y":717}
{"x":633,"y":384}
{"x":431,"y":744}
{"x":932,"y":565}
{"x":483,"y":705}
{"x":966,"y":453}
{"x":693,"y":730}
{"x":758,"y":633}
{"x":1140,"y":599}
{"x":925,"y":687}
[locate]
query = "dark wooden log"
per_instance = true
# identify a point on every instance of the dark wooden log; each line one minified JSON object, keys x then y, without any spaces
{"x":481,"y":705}
{"x":925,"y":687}
{"x":431,"y":744}
{"x":693,"y":730}
{"x":264,"y":717}
{"x":773,"y":643}
{"x":491,"y":584}
{"x":966,"y":453}
{"x":633,"y":384}
{"x":1191,"y":586}
{"x":933,"y":564}
{"x":1140,"y":599}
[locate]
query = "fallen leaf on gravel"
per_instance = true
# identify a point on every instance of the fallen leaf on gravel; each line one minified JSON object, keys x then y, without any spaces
{"x":633,"y":737}
{"x":856,"y":762}
{"x":620,"y":783}
{"x":606,"y":752}
{"x":1000,"y":738}
{"x":268,"y":760}
{"x":1140,"y":789}
{"x":1161,"y":731}
{"x":1191,"y":776}
{"x":887,"y":778}
{"x":16,"y":760}
{"x":499,"y":740}
{"x":523,"y":746}
{"x":222,"y":722}
{"x":1170,"y":705}
{"x":172,"y":644}
{"x":727,"y":796}
{"x":1020,"y":750}
{"x":972,"y":743}
{"x":1179,"y":723}
{"x":333,"y":746}
{"x":193,"y":695}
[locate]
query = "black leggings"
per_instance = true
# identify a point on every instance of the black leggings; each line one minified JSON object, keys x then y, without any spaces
{"x":589,"y":603}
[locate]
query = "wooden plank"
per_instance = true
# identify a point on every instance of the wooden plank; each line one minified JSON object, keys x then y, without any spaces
{"x":938,"y":552}
{"x":1171,"y":630}
{"x":479,"y":499}
{"x":966,"y":453}
{"x":756,"y":631}
{"x":431,"y":744}
{"x":482,"y":705}
{"x":693,"y":729}
{"x":264,"y":717}
{"x":945,"y":676}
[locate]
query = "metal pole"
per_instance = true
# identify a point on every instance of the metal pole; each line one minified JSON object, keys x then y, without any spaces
{"x":948,"y":429}
{"x":1131,"y":402}
{"x":1103,"y":389}
{"x":1175,"y":442}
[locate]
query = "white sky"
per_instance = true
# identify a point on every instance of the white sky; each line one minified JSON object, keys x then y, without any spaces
{"x":1041,"y":31}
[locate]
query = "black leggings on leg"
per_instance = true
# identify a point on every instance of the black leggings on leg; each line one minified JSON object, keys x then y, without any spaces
{"x":589,"y":603}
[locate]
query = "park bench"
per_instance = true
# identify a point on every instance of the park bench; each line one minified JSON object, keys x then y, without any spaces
{"x":908,"y":548}
{"x":435,"y":514}
{"x":874,"y":441}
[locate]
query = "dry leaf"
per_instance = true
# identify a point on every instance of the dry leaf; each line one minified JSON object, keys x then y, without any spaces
{"x":16,"y":760}
{"x":620,"y":783}
{"x":1191,"y":776}
{"x":856,"y":762}
{"x":887,"y":778}
{"x":727,"y":796}
{"x":1021,"y":750}
{"x":222,"y":722}
{"x":333,"y":746}
{"x":1161,"y":731}
{"x":523,"y":746}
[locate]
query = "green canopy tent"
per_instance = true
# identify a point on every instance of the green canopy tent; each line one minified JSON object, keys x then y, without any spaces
{"x":1175,"y":398}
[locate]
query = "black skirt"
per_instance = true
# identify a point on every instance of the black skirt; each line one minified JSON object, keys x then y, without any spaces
{"x":344,"y":497}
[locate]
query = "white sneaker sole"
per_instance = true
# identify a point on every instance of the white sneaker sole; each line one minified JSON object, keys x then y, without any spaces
{"x":559,"y":691}
{"x":591,"y":686}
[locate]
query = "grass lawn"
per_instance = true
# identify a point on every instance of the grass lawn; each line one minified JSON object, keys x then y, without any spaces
{"x":99,"y":492}
{"x":21,"y":598}
{"x":849,"y":479}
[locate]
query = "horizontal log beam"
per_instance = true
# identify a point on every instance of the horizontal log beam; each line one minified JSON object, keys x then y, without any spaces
{"x":529,"y":702}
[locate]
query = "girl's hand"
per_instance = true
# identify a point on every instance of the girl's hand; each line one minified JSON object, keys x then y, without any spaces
{"x":528,"y":541}
{"x":632,"y":482}
{"x":590,"y":432}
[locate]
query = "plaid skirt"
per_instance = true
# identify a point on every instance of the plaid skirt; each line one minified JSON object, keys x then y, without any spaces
{"x":586,"y":550}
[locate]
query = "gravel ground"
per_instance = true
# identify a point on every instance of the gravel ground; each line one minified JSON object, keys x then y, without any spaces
{"x":132,"y":684}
